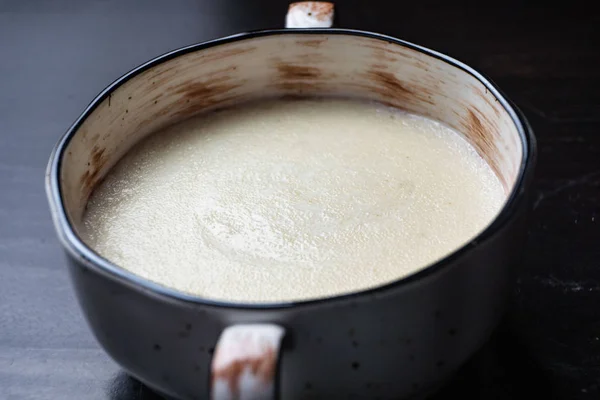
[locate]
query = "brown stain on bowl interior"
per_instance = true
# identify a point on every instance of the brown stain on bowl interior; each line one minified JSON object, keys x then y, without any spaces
{"x":315,"y":58}
{"x":289,"y":71}
{"x":393,"y":90}
{"x":165,"y":72}
{"x":387,"y":85}
{"x":314,"y":43}
{"x":383,"y":55}
{"x":422,"y":65}
{"x":218,"y":77}
{"x":198,"y":96}
{"x":86,"y":179}
{"x":390,"y":83}
{"x":262,"y":367}
{"x":206,"y":90}
{"x":89,"y":179}
{"x":156,"y":98}
{"x":299,"y":78}
{"x":194,"y":96}
{"x":480,"y":132}
{"x":97,"y":159}
{"x":385,"y":52}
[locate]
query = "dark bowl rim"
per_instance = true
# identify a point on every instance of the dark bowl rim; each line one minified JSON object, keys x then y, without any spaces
{"x":81,"y":252}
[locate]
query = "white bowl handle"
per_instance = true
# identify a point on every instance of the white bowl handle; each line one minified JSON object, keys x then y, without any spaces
{"x":310,"y":14}
{"x":244,"y":365}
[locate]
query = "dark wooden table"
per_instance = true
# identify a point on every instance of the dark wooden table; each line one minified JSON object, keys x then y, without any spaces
{"x":56,"y":55}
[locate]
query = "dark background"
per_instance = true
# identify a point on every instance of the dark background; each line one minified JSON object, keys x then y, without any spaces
{"x":55,"y":56}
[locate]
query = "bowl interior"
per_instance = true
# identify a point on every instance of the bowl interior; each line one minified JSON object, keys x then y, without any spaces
{"x":205,"y":77}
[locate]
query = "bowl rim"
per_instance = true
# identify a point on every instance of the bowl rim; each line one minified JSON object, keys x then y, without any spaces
{"x":77,"y":249}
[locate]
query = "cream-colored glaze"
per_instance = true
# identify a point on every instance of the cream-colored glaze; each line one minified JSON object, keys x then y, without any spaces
{"x":291,"y":200}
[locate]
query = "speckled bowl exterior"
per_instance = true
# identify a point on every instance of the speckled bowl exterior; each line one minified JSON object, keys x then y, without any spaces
{"x":393,"y":341}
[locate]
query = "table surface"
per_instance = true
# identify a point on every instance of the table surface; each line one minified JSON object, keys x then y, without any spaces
{"x":56,"y":56}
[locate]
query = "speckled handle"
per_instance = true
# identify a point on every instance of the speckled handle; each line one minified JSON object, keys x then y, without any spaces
{"x":244,"y":366}
{"x":310,"y":14}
